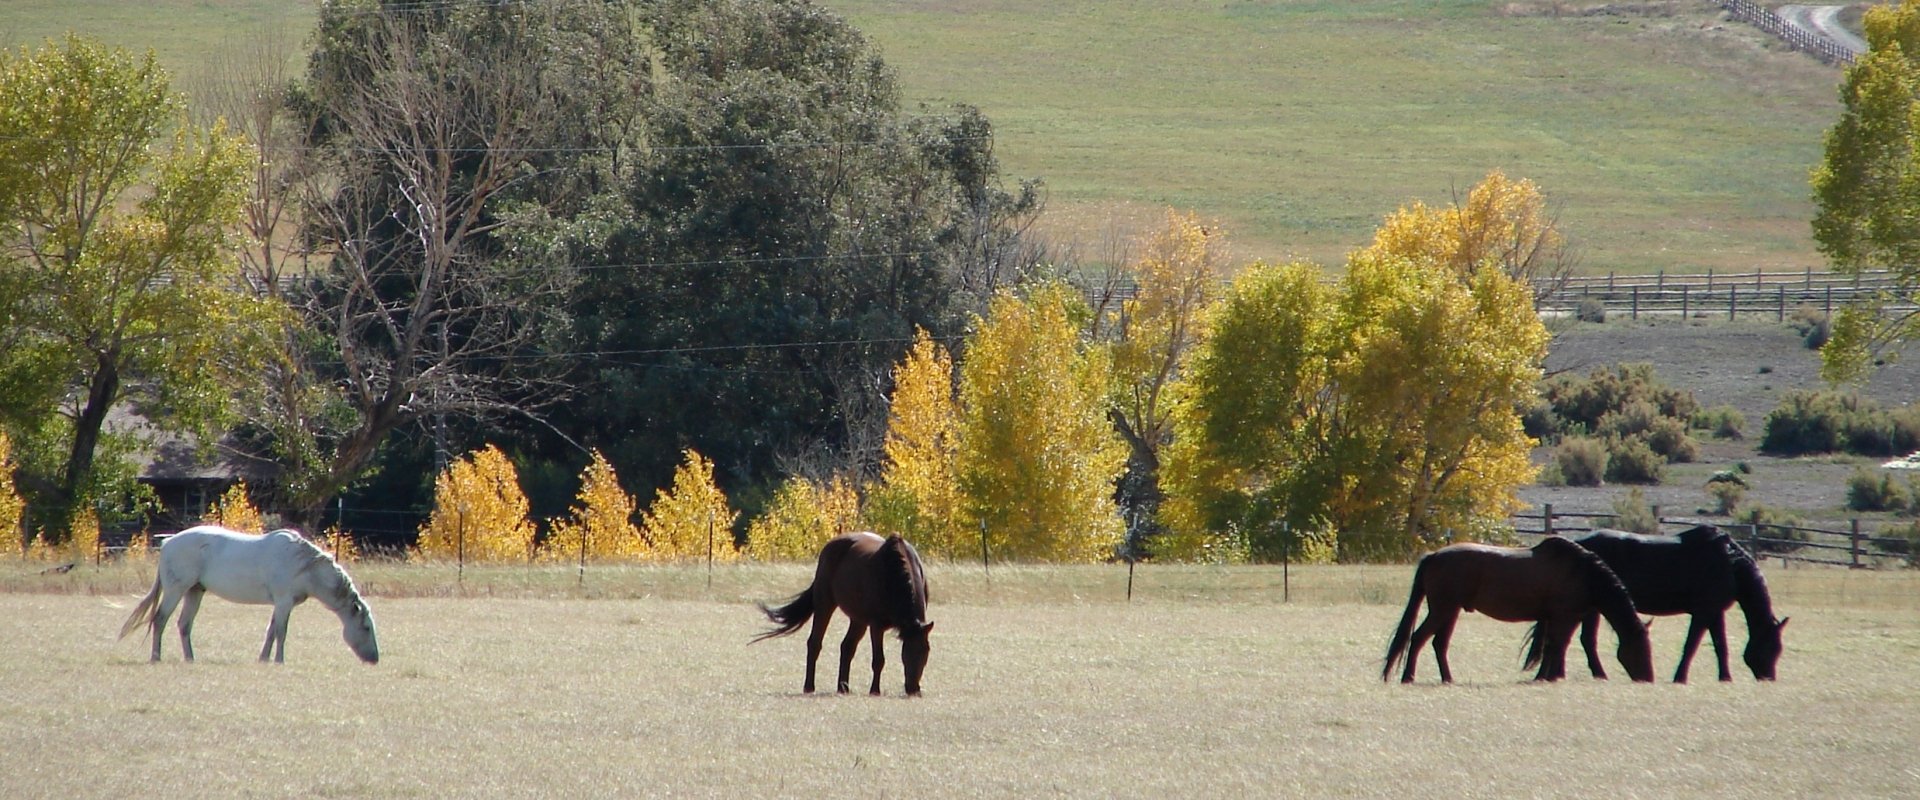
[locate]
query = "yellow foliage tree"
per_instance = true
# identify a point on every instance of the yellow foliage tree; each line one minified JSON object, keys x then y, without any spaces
{"x":1038,"y":457}
{"x":803,"y":516}
{"x":340,"y":544}
{"x":918,"y":495}
{"x":691,"y":519}
{"x":1503,"y":224}
{"x":479,"y":511}
{"x":1178,"y":272}
{"x":234,"y":511}
{"x":13,"y":509}
{"x":601,"y":520}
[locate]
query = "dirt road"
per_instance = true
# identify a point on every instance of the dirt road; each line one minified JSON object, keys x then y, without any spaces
{"x":1823,"y":21}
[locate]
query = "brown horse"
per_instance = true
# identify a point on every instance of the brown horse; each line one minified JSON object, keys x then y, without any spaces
{"x":880,"y":584}
{"x":1555,"y":583}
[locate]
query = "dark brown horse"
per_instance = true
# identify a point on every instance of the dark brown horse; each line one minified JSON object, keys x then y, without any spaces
{"x":1700,"y":572}
{"x":1555,"y":583}
{"x":880,"y":584}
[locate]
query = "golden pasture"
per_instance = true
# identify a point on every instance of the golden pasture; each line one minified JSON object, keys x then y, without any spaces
{"x":1044,"y":681}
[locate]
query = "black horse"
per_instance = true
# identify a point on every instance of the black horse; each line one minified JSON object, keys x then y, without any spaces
{"x":1701,"y":572}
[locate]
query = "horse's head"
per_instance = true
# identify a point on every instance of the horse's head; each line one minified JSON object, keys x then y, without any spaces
{"x":1763,"y":649}
{"x":356,"y":625}
{"x":1636,"y":653}
{"x":913,"y":651}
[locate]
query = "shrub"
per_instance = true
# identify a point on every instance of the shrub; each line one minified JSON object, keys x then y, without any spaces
{"x":1902,"y":540}
{"x":691,"y":519}
{"x":802,"y":516}
{"x":1723,"y":421}
{"x":235,"y":512}
{"x":1668,"y":436}
{"x":1775,"y":528}
{"x":1634,"y":461}
{"x":1815,"y":327}
{"x":1581,"y":461}
{"x":1727,"y":496}
{"x":1805,"y":422}
{"x":1633,"y":418}
{"x":599,"y":526}
{"x":1869,"y":492}
{"x":1590,"y":309}
{"x":1632,"y":512}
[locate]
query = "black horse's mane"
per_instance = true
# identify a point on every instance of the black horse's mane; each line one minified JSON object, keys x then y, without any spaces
{"x":906,"y":582}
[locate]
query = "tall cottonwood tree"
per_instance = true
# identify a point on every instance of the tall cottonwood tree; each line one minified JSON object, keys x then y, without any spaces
{"x":117,"y":265}
{"x":1867,"y":189}
{"x":1037,"y":454}
{"x":1503,"y":223}
{"x":432,"y":133}
{"x":1178,"y":271}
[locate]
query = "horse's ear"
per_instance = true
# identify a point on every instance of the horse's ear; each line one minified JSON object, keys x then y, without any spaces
{"x":1782,"y":623}
{"x":926,"y":629}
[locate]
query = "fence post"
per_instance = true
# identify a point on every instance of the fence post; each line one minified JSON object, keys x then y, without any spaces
{"x":1829,"y":299}
{"x":1546,"y":518}
{"x":1733,"y":293}
{"x":1685,"y":306}
{"x":460,"y":548}
{"x":1636,"y":301}
{"x":1853,"y":542}
{"x":1781,"y":316}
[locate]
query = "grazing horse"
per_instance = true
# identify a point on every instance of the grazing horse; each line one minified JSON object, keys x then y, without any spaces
{"x":880,"y":584}
{"x":1700,"y":572}
{"x":1555,"y":583}
{"x":281,"y":569}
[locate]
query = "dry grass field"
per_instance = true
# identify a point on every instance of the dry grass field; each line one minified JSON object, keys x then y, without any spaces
{"x":1043,"y":682}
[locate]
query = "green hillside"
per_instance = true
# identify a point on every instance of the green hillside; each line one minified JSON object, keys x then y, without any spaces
{"x":1671,"y":137}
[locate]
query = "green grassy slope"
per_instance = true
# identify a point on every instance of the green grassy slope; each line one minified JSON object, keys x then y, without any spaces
{"x":1672,"y":139}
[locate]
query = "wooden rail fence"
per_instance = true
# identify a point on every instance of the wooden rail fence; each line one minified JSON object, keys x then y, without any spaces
{"x":1853,"y":548}
{"x":1763,"y":18}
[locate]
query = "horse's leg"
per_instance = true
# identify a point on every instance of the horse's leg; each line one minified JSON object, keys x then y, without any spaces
{"x":879,"y":657}
{"x":189,"y":608}
{"x":1421,"y":634}
{"x":1560,"y":637}
{"x":277,"y":633}
{"x":856,"y":630}
{"x":1694,"y":630}
{"x":1443,"y":639}
{"x":821,"y":614}
{"x":1590,"y":643}
{"x":1717,"y":628}
{"x":169,"y":599}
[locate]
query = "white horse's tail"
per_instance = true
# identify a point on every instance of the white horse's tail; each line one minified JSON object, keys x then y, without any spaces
{"x":143,"y":613}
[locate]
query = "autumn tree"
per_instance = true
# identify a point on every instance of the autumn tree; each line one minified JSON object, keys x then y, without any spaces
{"x":918,"y":495}
{"x":1502,"y":224}
{"x":12,"y":508}
{"x":691,"y":519}
{"x":1867,"y":190}
{"x":479,"y":511}
{"x":599,"y":526}
{"x":1037,"y":455}
{"x":1178,"y":272}
{"x":117,"y":270}
{"x":235,"y":511}
{"x":1376,"y":415}
{"x":802,"y":516}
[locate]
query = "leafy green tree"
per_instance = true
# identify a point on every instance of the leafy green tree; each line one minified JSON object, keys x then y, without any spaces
{"x":1038,"y":457}
{"x":1867,"y":188}
{"x":780,"y":229}
{"x":117,"y":266}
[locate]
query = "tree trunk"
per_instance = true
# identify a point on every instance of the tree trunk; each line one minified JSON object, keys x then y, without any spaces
{"x":101,"y":394}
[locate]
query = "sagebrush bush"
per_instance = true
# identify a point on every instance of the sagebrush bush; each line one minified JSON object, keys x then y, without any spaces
{"x":1727,"y":496}
{"x":1581,"y":461}
{"x":1634,"y":461}
{"x":1828,"y":422}
{"x":1668,"y":436}
{"x":1590,"y":309}
{"x":1867,"y":491}
{"x":1815,"y":327}
{"x":1632,"y":512}
{"x":1723,"y":421}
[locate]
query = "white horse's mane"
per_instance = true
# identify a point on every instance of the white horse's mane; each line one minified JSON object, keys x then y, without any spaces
{"x":344,"y":590}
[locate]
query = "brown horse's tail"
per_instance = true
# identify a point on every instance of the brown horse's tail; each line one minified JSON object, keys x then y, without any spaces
{"x":143,"y":613}
{"x":1535,"y":647}
{"x":788,"y":617}
{"x":1398,"y":646}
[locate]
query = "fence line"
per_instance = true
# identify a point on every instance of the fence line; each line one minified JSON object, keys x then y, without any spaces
{"x":1805,"y":41}
{"x":1854,"y":547}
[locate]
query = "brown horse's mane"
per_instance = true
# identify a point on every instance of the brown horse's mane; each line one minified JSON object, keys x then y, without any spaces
{"x":1604,"y":588}
{"x":906,"y":581}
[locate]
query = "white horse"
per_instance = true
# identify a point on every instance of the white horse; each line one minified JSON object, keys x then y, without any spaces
{"x":281,"y":568}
